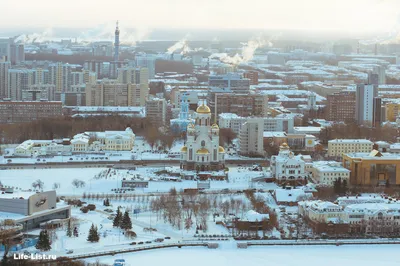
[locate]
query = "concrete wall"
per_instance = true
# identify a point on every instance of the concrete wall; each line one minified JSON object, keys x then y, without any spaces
{"x":19,"y":206}
{"x":42,"y":201}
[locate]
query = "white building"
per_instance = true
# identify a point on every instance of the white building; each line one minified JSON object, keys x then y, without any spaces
{"x":337,"y":147}
{"x":286,"y":168}
{"x":81,"y":143}
{"x":251,"y":138}
{"x":327,"y":172}
{"x":34,"y":148}
{"x":202,"y":151}
{"x":271,"y":124}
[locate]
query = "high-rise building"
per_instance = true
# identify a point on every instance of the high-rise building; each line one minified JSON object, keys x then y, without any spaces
{"x":368,"y":109}
{"x":148,"y":61}
{"x":4,"y":67}
{"x":156,"y":111}
{"x":95,"y":66}
{"x":137,"y":94}
{"x":5,"y":51}
{"x":19,"y":80}
{"x":39,"y":92}
{"x":252,"y":76}
{"x":116,"y":44}
{"x":60,"y":75}
{"x":251,"y":137}
{"x":17,"y":53}
{"x":133,"y":75}
{"x":112,"y":93}
{"x":341,"y":106}
{"x":240,"y":104}
{"x":230,"y":82}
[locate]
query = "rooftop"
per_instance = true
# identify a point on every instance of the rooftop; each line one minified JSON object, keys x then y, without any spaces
{"x":351,"y":141}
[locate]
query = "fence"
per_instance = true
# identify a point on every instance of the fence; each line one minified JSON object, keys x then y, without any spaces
{"x":136,"y":249}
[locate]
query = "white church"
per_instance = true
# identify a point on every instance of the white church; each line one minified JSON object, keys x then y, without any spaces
{"x":289,"y":169}
{"x":202,"y":151}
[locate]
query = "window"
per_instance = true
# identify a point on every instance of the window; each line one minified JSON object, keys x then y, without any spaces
{"x":203,"y":143}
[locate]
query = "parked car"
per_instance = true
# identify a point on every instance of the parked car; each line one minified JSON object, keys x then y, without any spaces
{"x":148,"y":242}
{"x":70,"y":251}
{"x":159,"y":240}
{"x":167,"y":237}
{"x":133,"y":243}
{"x":140,"y":243}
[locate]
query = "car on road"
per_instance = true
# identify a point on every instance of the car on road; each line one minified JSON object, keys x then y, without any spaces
{"x":159,"y":240}
{"x":167,"y":237}
{"x":133,"y":243}
{"x":148,"y":242}
{"x":140,"y":243}
{"x":69,"y":251}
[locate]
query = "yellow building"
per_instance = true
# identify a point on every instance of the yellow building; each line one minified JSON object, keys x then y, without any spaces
{"x":338,"y":147}
{"x":374,"y":168}
{"x":392,"y":111}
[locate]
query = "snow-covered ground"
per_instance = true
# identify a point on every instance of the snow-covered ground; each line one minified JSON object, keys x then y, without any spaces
{"x":239,"y":178}
{"x":227,"y":254}
{"x":141,"y":151}
{"x":110,"y":238}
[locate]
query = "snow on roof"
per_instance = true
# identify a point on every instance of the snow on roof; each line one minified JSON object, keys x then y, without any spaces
{"x":268,"y":134}
{"x":307,"y":129}
{"x":228,"y":116}
{"x":395,"y":146}
{"x":137,"y":109}
{"x":373,"y":208}
{"x":319,"y":205}
{"x":351,"y":141}
{"x":253,"y":216}
{"x":365,"y":198}
{"x":289,"y":194}
{"x":17,"y":195}
{"x":328,"y":168}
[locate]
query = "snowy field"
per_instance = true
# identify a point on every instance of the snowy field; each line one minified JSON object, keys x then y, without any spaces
{"x":239,"y":178}
{"x":228,"y":254}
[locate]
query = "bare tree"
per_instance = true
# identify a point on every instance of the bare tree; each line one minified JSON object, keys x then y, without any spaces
{"x":38,"y":184}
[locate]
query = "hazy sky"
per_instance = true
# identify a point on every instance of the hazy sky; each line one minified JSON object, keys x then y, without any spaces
{"x":353,"y":15}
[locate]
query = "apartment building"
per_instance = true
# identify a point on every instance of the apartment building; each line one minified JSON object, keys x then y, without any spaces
{"x":251,"y":137}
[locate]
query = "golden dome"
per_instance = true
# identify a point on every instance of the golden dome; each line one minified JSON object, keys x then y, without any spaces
{"x":285,"y":145}
{"x":203,"y":109}
{"x":202,"y":151}
{"x":184,"y":149}
{"x":221,"y":149}
{"x":215,"y":126}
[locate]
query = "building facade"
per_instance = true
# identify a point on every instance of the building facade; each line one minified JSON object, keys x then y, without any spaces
{"x":337,"y":147}
{"x":373,"y":168}
{"x":156,"y":111}
{"x":286,"y":168}
{"x":240,"y":104}
{"x":251,"y":138}
{"x":341,"y":106}
{"x":270,"y":124}
{"x":202,"y":151}
{"x":19,"y":112}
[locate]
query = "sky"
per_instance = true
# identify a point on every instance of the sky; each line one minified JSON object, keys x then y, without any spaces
{"x":336,"y":15}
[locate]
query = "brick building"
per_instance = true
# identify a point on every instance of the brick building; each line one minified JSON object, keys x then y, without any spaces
{"x":19,"y":112}
{"x":341,"y":106}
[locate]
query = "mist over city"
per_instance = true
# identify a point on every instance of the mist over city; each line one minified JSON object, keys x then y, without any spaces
{"x":220,"y":132}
